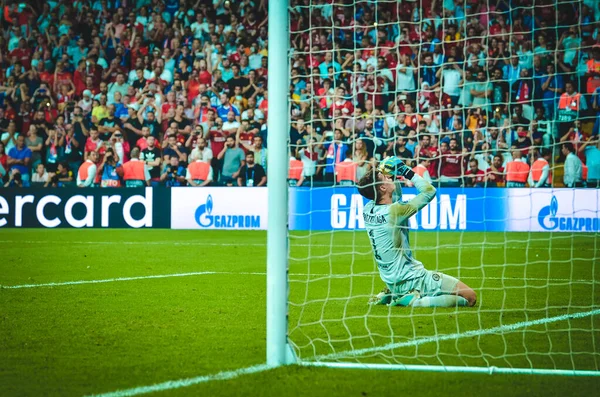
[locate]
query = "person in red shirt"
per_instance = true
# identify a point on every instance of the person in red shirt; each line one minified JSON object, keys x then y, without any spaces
{"x":45,"y":77}
{"x":192,"y":86}
{"x":451,"y":170}
{"x":61,"y":77}
{"x":244,"y":137}
{"x":474,"y":176}
{"x":263,"y":71}
{"x":22,"y":53}
{"x":94,"y":144}
{"x":341,"y":103}
{"x":142,"y":143}
{"x":495,"y":174}
{"x":169,"y":105}
{"x":425,"y":149}
{"x":3,"y":158}
{"x":412,"y":119}
{"x":138,"y":49}
{"x":93,"y":69}
{"x":79,"y":78}
{"x":204,"y":76}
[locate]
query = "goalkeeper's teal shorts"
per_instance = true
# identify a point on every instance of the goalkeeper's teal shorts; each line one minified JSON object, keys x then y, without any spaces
{"x":431,"y":284}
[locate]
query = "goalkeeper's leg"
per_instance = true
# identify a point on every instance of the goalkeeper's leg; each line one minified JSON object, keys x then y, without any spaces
{"x":439,"y":290}
{"x":448,"y":300}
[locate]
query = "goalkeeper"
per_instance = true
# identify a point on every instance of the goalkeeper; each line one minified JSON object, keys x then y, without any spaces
{"x":386,"y":220}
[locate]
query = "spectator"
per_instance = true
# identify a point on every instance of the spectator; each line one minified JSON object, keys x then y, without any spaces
{"x":232,"y":158}
{"x":173,"y":173}
{"x":225,"y":107}
{"x":260,"y":152}
{"x":482,"y":92}
{"x":328,"y":63}
{"x":15,"y":179}
{"x":335,"y":153}
{"x":452,"y":164}
{"x":40,"y":176}
{"x":35,"y":143}
{"x":591,"y":149}
{"x":450,"y":76}
{"x":495,"y":174}
{"x":309,"y":156}
{"x":251,"y":174}
{"x":202,"y":152}
{"x":573,"y":167}
{"x":19,"y":159}
{"x":172,"y":148}
{"x":199,"y":172}
{"x":9,"y":138}
{"x":152,"y":158}
{"x":405,"y":75}
{"x":361,"y":158}
{"x":523,"y":93}
{"x":231,"y":124}
{"x":517,"y":170}
{"x":3,"y":162}
{"x":62,"y":177}
{"x":54,"y":147}
{"x":93,"y":143}
{"x":109,"y":124}
{"x":552,"y":88}
{"x":87,"y":172}
{"x":474,"y":177}
{"x":136,"y":172}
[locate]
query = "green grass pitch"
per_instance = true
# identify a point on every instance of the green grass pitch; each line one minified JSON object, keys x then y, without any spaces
{"x":81,"y":339}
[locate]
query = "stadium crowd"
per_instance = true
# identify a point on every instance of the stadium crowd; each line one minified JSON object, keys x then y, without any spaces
{"x":132,"y":93}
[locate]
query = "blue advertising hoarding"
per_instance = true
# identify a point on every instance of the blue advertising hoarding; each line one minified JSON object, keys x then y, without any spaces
{"x":453,"y":209}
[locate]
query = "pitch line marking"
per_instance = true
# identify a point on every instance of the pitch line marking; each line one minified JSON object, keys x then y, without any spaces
{"x":226,"y":375}
{"x":458,"y":335}
{"x":176,"y":384}
{"x":320,"y":276}
{"x":487,"y":245}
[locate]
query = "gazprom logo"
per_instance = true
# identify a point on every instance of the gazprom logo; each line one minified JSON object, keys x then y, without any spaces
{"x":205,"y":218}
{"x":548,"y":219}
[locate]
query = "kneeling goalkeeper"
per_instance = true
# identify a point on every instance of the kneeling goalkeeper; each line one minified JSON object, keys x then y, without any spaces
{"x":408,"y":282}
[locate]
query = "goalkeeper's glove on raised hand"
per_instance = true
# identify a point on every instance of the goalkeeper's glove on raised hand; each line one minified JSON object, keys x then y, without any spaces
{"x":393,"y":166}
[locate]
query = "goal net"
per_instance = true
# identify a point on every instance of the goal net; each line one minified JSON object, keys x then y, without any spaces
{"x":478,"y":94}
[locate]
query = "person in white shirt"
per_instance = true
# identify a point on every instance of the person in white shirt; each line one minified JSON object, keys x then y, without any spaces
{"x":40,"y":175}
{"x":201,"y":151}
{"x":573,"y":167}
{"x":231,"y":125}
{"x":199,"y":27}
{"x":405,"y":76}
{"x":118,"y":86}
{"x":450,"y":75}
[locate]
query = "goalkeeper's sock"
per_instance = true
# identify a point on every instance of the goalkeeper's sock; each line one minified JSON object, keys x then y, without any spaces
{"x":440,"y":301}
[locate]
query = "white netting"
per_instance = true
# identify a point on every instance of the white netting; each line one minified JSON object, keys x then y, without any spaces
{"x":507,"y":83}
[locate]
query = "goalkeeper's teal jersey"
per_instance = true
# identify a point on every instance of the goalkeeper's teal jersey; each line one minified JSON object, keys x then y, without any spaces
{"x":387,"y":226}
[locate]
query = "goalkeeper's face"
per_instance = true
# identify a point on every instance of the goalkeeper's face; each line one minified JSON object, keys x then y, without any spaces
{"x":386,"y":185}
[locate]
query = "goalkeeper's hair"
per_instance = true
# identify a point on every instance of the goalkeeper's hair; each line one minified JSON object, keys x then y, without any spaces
{"x":367,"y":185}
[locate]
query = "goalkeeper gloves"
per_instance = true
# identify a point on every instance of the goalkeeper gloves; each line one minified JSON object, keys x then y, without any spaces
{"x":393,"y":166}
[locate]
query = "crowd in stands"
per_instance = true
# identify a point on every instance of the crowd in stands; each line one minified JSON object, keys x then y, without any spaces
{"x":133,"y":93}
